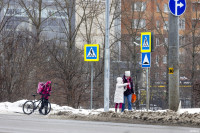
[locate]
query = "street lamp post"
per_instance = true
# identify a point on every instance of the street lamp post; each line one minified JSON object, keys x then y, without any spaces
{"x":107,"y":61}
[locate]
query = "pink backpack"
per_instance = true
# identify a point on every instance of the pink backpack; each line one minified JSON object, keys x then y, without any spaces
{"x":40,"y":87}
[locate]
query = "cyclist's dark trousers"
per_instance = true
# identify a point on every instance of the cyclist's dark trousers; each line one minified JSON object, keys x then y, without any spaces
{"x":44,"y":103}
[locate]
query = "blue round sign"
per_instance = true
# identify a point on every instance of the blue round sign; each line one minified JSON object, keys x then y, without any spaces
{"x":177,"y":7}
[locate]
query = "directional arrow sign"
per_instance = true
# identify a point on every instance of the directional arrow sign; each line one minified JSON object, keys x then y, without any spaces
{"x":177,"y":7}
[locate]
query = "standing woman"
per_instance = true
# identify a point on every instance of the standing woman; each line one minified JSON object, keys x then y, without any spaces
{"x":128,"y":93}
{"x":119,"y":93}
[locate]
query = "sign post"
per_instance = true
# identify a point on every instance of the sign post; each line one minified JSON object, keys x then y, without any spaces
{"x":91,"y":53}
{"x":146,"y":59}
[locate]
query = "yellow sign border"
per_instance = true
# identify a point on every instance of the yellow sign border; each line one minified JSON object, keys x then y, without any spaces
{"x":91,"y":45}
{"x":146,"y":33}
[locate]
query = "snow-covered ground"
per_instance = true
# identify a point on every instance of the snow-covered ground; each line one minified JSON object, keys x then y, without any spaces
{"x":185,"y":117}
{"x":16,"y":107}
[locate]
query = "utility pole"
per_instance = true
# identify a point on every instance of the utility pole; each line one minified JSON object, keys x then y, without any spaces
{"x":173,"y":55}
{"x":107,"y":61}
{"x":177,"y":8}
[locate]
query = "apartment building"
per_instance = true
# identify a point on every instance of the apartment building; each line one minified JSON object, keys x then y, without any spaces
{"x":25,"y":15}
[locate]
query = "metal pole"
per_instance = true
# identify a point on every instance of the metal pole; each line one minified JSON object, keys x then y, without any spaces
{"x":107,"y":61}
{"x":91,"y":86}
{"x":173,"y":62}
{"x":118,"y":27}
{"x":147,"y":98}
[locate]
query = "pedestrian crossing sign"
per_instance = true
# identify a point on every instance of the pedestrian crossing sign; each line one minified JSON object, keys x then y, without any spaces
{"x":146,"y":42}
{"x":146,"y":60}
{"x":91,"y":52}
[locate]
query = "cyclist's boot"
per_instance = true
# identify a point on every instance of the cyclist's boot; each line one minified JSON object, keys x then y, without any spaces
{"x":45,"y":111}
{"x":40,"y":111}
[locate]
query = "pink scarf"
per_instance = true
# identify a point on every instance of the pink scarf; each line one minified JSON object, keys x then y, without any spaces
{"x":128,"y":81}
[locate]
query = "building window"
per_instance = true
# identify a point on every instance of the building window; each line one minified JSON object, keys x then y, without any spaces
{"x":157,"y":42}
{"x":157,"y":8}
{"x":182,"y":24}
{"x":157,"y":59}
{"x":195,"y":7}
{"x":166,"y":8}
{"x":139,"y":6}
{"x":166,"y":41}
{"x":164,"y":59}
{"x":157,"y":75}
{"x":138,"y":23}
{"x":195,"y":23}
{"x":157,"y":24}
{"x":166,"y":25}
{"x":14,"y":11}
{"x":164,"y":74}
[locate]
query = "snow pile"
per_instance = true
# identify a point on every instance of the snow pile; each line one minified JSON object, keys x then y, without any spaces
{"x":16,"y":107}
{"x":167,"y":117}
{"x":56,"y":109}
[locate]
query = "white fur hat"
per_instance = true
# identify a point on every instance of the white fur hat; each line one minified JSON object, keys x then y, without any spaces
{"x":119,"y":80}
{"x":127,"y":73}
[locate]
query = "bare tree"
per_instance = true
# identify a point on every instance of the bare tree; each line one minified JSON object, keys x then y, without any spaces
{"x":40,"y":19}
{"x":190,"y":53}
{"x":133,"y":23}
{"x":89,"y":28}
{"x":67,"y":68}
{"x":159,"y":69}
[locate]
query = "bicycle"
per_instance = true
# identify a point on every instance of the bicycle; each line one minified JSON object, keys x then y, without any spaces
{"x":30,"y":106}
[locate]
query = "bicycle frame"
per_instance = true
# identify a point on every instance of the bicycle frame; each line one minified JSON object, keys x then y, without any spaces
{"x":35,"y":104}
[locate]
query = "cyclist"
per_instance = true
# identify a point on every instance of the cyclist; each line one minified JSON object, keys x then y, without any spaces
{"x":45,"y":93}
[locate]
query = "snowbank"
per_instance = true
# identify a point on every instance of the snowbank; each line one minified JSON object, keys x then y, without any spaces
{"x":8,"y":107}
{"x":16,"y":107}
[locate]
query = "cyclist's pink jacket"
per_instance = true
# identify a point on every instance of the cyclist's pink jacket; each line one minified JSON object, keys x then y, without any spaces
{"x":46,"y":90}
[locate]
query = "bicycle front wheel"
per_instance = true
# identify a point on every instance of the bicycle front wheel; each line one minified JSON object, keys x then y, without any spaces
{"x":28,"y":107}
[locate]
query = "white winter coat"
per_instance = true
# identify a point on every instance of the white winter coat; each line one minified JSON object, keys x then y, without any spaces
{"x":119,"y":91}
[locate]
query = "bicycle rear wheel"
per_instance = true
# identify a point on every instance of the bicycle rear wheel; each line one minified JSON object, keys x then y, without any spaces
{"x":46,"y":109}
{"x":28,"y":107}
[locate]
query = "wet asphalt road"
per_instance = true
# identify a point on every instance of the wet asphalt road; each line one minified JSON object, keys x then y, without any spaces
{"x":20,"y":123}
